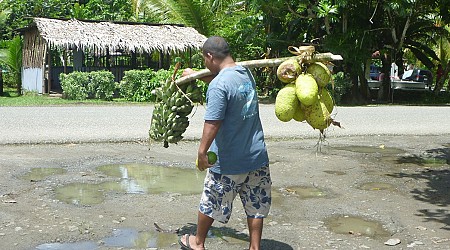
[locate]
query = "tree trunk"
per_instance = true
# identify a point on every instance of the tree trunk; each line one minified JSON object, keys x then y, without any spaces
{"x":1,"y":82}
{"x":386,"y":84}
{"x":440,"y":84}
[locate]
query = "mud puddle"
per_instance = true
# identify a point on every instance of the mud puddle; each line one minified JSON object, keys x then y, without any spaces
{"x":133,"y":179}
{"x":356,"y":226}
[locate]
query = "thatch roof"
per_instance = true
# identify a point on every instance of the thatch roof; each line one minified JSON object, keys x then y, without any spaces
{"x":102,"y":35}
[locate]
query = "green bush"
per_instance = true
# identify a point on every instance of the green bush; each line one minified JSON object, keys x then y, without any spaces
{"x":74,"y":85}
{"x":342,"y":85}
{"x":137,"y":85}
{"x":84,"y":85}
{"x":101,"y":85}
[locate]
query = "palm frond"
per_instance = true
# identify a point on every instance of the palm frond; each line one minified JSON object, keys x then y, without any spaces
{"x":188,"y":12}
{"x":421,"y":56}
{"x":425,"y":48}
{"x":193,"y":14}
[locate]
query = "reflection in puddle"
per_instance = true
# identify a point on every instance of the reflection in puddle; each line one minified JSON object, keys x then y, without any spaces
{"x":133,"y":238}
{"x":139,"y":178}
{"x":303,"y":192}
{"x":68,"y":246}
{"x":356,"y":226}
{"x":121,"y":238}
{"x":38,"y":174}
{"x":134,"y":179}
{"x":371,"y":150}
{"x":373,"y":186}
{"x":80,"y":194}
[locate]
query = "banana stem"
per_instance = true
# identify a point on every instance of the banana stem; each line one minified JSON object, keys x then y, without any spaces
{"x":273,"y":62}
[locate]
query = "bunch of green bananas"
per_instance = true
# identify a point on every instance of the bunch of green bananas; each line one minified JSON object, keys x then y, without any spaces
{"x":174,"y":103}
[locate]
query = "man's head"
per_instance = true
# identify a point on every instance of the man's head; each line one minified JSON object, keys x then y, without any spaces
{"x":217,"y":47}
{"x":216,"y":53}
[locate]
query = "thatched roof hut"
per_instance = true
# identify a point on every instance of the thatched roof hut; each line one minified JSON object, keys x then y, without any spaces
{"x":130,"y":37}
{"x":96,"y":39}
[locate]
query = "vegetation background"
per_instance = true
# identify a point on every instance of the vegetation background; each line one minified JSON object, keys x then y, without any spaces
{"x":363,"y":32}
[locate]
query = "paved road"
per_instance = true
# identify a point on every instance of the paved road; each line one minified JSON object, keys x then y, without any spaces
{"x":128,"y":123}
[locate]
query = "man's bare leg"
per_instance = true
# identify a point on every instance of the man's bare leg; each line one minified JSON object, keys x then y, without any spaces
{"x":203,"y":224}
{"x":255,"y":227}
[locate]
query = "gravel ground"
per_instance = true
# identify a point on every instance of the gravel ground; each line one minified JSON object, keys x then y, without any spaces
{"x":386,"y":175}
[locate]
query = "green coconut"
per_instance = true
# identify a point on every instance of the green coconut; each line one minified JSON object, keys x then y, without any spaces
{"x":327,"y":99}
{"x":306,"y":89}
{"x":288,"y":70}
{"x":299,"y":114}
{"x":321,"y":73}
{"x":317,"y":116}
{"x":286,"y":103}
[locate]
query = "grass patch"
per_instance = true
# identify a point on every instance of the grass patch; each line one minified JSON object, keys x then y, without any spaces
{"x":11,"y":98}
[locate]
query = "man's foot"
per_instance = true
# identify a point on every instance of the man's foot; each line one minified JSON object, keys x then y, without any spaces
{"x":187,"y":242}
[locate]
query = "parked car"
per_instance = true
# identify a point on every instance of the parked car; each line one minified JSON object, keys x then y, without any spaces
{"x":375,"y":72}
{"x":418,"y":75}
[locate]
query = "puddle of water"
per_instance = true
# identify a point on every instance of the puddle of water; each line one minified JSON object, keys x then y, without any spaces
{"x":121,"y":238}
{"x":335,"y":172}
{"x":356,"y":226}
{"x":372,"y":150}
{"x":422,"y":161}
{"x":140,"y":178}
{"x":415,"y":160}
{"x":131,"y":238}
{"x":373,"y":186}
{"x":80,"y":194}
{"x":86,"y":245}
{"x":38,"y":174}
{"x":134,"y":179}
{"x":303,"y":192}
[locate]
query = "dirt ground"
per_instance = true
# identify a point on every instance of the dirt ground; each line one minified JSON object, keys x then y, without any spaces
{"x":355,"y":193}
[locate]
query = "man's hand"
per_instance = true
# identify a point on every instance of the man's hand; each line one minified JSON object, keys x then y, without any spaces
{"x":187,"y":71}
{"x":202,"y":162}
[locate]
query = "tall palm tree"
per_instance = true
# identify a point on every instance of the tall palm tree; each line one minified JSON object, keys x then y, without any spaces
{"x":191,"y":13}
{"x":200,"y":14}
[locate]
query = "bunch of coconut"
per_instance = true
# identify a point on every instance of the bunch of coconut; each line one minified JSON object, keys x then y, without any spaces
{"x":304,"y":96}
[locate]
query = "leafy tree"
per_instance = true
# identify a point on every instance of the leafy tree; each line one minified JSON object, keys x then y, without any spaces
{"x":22,"y":10}
{"x":193,"y":13}
{"x":13,"y":61}
{"x":115,"y":10}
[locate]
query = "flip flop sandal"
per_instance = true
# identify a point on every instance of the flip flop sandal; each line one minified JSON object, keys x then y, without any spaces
{"x":185,"y":246}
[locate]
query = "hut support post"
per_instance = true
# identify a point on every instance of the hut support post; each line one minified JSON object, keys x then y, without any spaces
{"x":49,"y":71}
{"x":44,"y":70}
{"x":64,"y":61}
{"x":77,"y":60}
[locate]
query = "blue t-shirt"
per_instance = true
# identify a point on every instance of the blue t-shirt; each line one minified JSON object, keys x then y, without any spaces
{"x":239,"y":143}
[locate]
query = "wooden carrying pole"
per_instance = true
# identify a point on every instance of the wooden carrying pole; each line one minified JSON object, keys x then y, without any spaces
{"x":273,"y":62}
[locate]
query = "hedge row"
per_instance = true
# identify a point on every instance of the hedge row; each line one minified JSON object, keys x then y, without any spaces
{"x":135,"y":86}
{"x":88,"y":85}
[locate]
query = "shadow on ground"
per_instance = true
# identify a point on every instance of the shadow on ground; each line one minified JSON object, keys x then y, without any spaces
{"x":437,"y":187}
{"x":227,"y":233}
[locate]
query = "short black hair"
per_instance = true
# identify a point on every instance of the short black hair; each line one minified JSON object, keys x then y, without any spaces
{"x":216,"y":46}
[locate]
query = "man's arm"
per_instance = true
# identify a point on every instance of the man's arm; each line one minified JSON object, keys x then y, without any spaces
{"x":210,"y":129}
